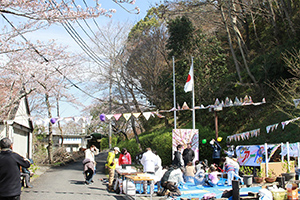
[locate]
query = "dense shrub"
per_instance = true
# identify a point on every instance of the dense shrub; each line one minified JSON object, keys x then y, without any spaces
{"x":104,"y":143}
{"x":162,"y":144}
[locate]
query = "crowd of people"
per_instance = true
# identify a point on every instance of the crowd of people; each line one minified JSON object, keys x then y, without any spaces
{"x":185,"y":168}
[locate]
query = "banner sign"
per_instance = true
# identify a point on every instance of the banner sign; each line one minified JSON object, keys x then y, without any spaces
{"x":294,"y":152}
{"x":184,"y":136}
{"x":254,"y":155}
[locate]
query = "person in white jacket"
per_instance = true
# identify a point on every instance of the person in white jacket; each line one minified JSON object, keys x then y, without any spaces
{"x":158,"y":172}
{"x":149,"y":161}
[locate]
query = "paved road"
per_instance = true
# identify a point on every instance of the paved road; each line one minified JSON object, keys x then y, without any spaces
{"x":67,"y":183}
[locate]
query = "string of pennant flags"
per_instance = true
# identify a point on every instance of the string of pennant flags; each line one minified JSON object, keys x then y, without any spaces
{"x":216,"y":106}
{"x":256,"y":132}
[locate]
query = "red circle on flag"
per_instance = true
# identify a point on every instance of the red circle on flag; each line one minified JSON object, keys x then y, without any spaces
{"x":188,"y":78}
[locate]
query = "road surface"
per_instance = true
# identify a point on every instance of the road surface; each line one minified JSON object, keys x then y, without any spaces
{"x":67,"y":183}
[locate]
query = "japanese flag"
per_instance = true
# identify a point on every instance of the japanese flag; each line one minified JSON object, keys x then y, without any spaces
{"x":190,"y":81}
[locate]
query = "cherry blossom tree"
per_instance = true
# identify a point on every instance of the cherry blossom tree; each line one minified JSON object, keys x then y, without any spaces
{"x":42,"y":70}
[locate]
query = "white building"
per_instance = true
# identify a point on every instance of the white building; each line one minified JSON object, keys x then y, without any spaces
{"x":18,"y":127}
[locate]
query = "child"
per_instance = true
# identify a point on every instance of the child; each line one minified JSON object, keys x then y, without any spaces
{"x":230,"y":170}
{"x":199,"y":178}
{"x":198,"y":165}
{"x":213,"y":176}
{"x":189,"y":172}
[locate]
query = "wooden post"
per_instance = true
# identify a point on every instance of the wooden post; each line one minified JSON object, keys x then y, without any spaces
{"x":216,"y":125}
{"x":235,"y":190}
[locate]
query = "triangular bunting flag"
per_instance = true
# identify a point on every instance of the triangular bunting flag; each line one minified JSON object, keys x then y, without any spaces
{"x":159,"y":115}
{"x":76,"y":119}
{"x":127,"y":116}
{"x":68,"y":119}
{"x":217,"y":102}
{"x":283,"y":125}
{"x":117,"y":116}
{"x":147,"y":115}
{"x":136,"y":115}
{"x":185,"y":106}
{"x":268,"y":128}
{"x":109,"y":116}
{"x":236,"y":101}
{"x":173,"y":109}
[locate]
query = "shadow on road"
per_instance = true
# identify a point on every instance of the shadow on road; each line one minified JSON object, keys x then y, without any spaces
{"x":76,"y":182}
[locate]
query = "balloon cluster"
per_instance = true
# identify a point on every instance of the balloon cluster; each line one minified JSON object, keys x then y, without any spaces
{"x":219,"y":139}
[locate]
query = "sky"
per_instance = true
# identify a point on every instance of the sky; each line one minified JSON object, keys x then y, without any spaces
{"x":61,"y":36}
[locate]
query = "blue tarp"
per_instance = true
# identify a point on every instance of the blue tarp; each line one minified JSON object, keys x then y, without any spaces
{"x":190,"y":190}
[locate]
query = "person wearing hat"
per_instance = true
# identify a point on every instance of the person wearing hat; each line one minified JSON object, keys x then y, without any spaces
{"x":111,"y":165}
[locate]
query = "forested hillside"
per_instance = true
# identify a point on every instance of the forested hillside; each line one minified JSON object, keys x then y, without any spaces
{"x":239,"y":48}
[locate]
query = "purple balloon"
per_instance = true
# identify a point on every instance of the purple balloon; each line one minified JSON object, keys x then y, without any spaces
{"x":53,"y":120}
{"x":102,"y":117}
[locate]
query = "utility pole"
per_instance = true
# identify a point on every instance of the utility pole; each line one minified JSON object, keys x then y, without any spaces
{"x":110,"y":108}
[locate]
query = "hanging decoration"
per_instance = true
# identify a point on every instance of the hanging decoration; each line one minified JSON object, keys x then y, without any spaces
{"x":159,"y":115}
{"x":283,"y":124}
{"x":216,"y":106}
{"x":102,"y":117}
{"x":68,"y":119}
{"x":243,"y":136}
{"x":185,"y":106}
{"x":271,"y":127}
{"x":109,"y":116}
{"x":127,"y":116}
{"x":117,"y":116}
{"x":53,"y":120}
{"x":296,"y":102}
{"x":147,"y":115}
{"x":136,"y":115}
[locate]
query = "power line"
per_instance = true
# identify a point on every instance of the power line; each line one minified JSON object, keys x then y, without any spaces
{"x":47,"y":61}
{"x":74,"y":34}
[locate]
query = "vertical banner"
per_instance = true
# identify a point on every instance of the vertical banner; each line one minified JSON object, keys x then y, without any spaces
{"x":184,"y":136}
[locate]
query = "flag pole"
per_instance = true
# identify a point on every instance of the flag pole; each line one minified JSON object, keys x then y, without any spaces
{"x":174,"y":93}
{"x":193,"y":96}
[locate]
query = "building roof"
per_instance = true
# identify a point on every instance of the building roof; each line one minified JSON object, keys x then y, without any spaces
{"x":10,"y":103}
